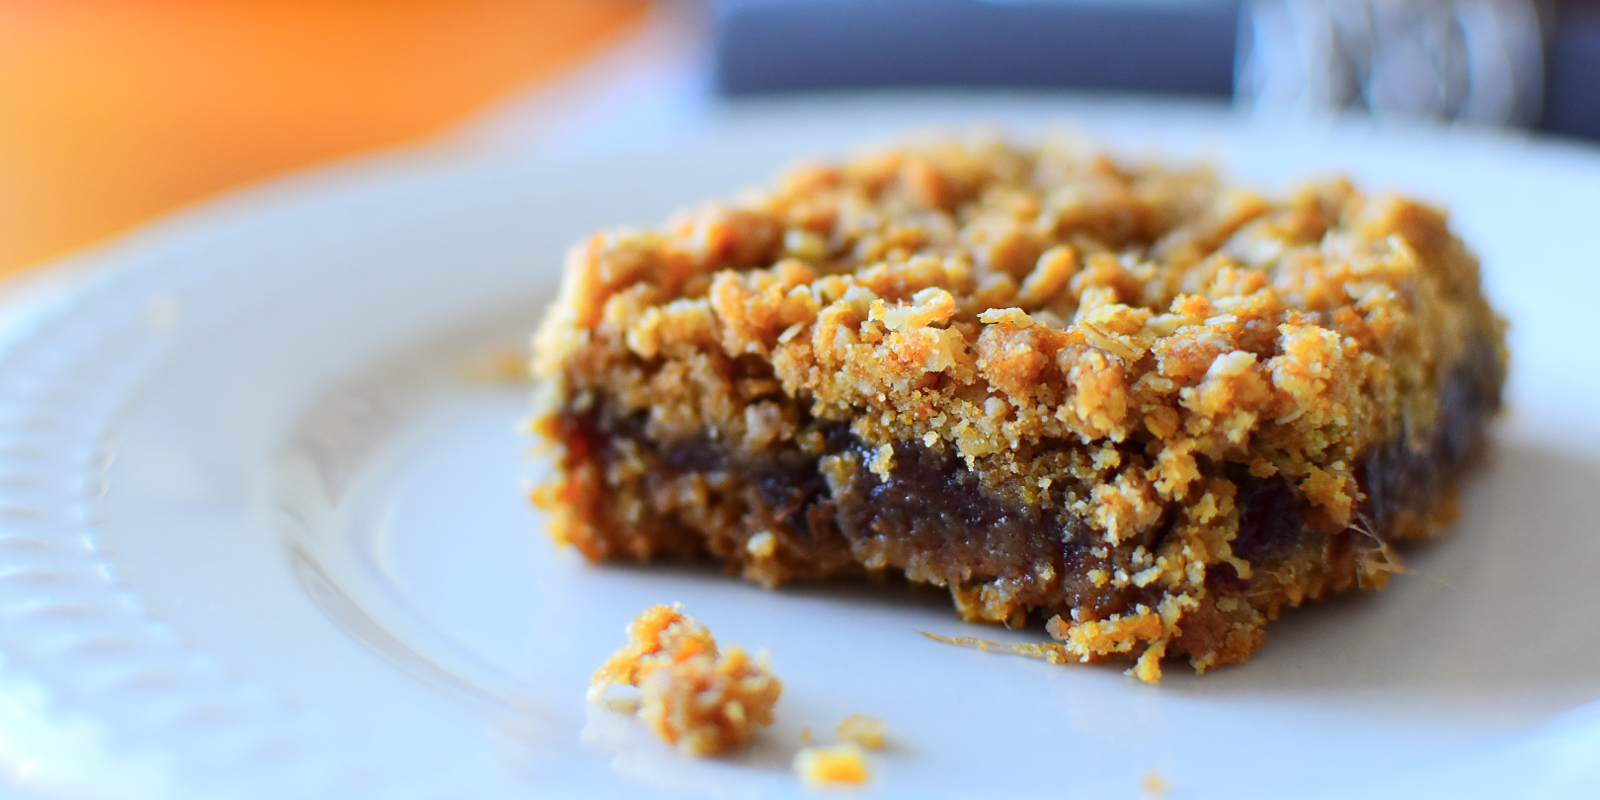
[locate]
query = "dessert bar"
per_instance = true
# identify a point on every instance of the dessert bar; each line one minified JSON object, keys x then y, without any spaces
{"x":1128,"y":399}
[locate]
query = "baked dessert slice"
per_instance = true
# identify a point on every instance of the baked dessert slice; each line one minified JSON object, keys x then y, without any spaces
{"x":1128,"y":399}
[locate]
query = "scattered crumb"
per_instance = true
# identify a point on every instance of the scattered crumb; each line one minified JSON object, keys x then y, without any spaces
{"x":805,"y":735}
{"x":697,"y":698}
{"x":623,"y":705}
{"x":823,"y":767}
{"x":1155,"y":785}
{"x":869,"y":732}
{"x":502,"y":365}
{"x":661,"y":631}
{"x":162,"y":312}
{"x":707,"y":704}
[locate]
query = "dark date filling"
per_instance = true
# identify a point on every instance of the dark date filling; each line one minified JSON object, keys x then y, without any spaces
{"x":934,"y":522}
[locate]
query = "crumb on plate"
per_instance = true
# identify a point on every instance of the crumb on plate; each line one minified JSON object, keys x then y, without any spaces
{"x":498,"y":366}
{"x":832,"y":765}
{"x":694,"y":696}
{"x":869,"y":732}
{"x":1155,"y":785}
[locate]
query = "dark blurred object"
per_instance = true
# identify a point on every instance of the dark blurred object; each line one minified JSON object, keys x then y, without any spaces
{"x":1572,"y":70}
{"x":1512,"y":62}
{"x":1133,"y":45}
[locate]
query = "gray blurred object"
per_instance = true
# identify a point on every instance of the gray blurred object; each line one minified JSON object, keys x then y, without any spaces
{"x":1478,"y":60}
{"x":1508,"y":62}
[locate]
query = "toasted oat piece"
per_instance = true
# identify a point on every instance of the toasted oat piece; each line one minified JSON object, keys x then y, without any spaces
{"x":1150,"y":408}
{"x":694,"y":697}
{"x":828,"y":766}
{"x":869,"y":732}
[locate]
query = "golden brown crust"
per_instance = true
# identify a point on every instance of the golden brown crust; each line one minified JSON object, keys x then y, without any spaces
{"x":1132,"y":350}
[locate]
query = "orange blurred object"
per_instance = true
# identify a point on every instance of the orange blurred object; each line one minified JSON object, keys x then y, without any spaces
{"x":112,"y":111}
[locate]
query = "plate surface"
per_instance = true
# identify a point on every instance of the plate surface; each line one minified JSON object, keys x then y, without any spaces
{"x":262,"y":527}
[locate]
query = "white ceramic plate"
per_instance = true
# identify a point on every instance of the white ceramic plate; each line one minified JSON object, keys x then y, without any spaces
{"x":262,"y":535}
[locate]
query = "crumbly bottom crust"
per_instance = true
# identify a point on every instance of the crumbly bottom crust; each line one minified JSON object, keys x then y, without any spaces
{"x":787,"y":516}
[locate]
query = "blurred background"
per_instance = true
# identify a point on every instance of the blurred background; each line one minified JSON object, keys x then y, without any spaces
{"x":113,"y":112}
